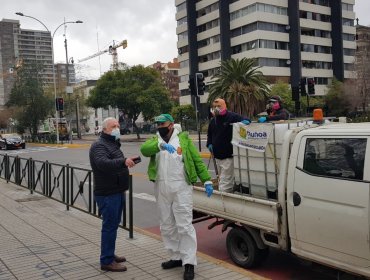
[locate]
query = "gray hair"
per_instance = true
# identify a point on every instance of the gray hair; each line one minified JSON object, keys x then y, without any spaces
{"x":106,"y":121}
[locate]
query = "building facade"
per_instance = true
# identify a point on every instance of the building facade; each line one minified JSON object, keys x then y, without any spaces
{"x":362,"y":67}
{"x":289,"y":39}
{"x":61,"y":76}
{"x":18,"y":46}
{"x":170,"y":76}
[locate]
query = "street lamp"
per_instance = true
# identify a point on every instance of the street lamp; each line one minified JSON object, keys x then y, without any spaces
{"x":52,"y":58}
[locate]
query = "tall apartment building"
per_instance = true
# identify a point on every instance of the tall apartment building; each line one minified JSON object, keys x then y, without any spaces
{"x":290,"y":39}
{"x":170,"y":76}
{"x":18,"y":46}
{"x":61,"y":76}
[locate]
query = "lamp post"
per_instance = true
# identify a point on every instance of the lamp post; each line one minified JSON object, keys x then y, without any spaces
{"x":52,"y":58}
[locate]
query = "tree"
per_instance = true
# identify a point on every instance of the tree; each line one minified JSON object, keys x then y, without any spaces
{"x":242,"y":85}
{"x":183,"y":113}
{"x":27,"y":95}
{"x":134,"y":90}
{"x":336,"y":101}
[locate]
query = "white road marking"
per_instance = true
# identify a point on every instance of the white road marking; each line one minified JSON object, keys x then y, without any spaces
{"x":31,"y":150}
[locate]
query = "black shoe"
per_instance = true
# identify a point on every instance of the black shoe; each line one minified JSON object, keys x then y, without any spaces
{"x":171,"y":264}
{"x":189,"y":272}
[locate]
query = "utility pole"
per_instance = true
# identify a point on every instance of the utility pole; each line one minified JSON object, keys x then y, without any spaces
{"x":69,"y":90}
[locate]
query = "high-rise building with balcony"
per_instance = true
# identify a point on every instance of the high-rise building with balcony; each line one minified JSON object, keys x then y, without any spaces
{"x":18,"y":46}
{"x":289,"y":39}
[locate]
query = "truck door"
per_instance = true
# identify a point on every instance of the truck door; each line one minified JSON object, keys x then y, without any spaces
{"x":329,"y":200}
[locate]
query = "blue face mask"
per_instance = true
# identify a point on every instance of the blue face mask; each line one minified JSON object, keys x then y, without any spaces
{"x":116,"y":133}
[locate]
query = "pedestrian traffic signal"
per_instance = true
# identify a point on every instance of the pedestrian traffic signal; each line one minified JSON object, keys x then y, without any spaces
{"x":302,"y":86}
{"x":311,"y":86}
{"x":200,"y":85}
{"x":192,"y":89}
{"x":59,"y":103}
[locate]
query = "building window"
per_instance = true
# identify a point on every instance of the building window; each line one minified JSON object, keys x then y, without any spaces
{"x":182,"y":36}
{"x":349,"y":37}
{"x":209,"y":25}
{"x":349,"y":52}
{"x":348,"y":22}
{"x":257,"y":26}
{"x":272,"y":62}
{"x":258,"y":7}
{"x":181,"y":7}
{"x":207,"y":10}
{"x":184,"y":63}
{"x":347,"y":7}
{"x":182,"y":21}
{"x":317,"y":2}
{"x":342,"y":158}
{"x":209,"y":57}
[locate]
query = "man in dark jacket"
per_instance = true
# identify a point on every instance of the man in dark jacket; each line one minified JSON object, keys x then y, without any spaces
{"x":219,"y":136}
{"x":111,"y":177}
{"x":275,"y":110}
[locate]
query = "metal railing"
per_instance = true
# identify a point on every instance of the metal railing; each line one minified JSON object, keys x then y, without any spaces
{"x":67,"y":184}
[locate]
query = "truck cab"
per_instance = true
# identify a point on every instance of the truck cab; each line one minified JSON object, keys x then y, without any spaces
{"x":328,"y":196}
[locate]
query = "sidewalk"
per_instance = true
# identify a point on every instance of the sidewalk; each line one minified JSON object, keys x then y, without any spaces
{"x":41,"y":240}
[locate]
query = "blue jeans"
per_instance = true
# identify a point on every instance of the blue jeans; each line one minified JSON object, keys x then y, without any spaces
{"x":110,"y":207}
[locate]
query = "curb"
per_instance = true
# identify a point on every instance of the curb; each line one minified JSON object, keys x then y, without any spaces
{"x":60,"y":145}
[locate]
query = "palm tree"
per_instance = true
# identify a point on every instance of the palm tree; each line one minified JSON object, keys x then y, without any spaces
{"x":242,"y":85}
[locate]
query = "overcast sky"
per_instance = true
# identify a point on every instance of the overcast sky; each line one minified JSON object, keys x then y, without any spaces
{"x":148,"y":25}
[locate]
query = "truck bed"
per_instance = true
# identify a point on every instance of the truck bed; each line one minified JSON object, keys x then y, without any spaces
{"x":255,"y":212}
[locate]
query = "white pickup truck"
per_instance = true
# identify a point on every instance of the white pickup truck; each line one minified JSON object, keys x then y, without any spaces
{"x":307,"y":193}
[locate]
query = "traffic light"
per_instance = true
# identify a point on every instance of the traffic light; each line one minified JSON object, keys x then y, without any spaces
{"x":192,"y":89}
{"x":200,"y":85}
{"x":59,"y":103}
{"x":311,"y":86}
{"x":302,"y":86}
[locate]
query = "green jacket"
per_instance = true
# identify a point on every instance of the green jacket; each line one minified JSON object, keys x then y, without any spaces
{"x":194,"y":165}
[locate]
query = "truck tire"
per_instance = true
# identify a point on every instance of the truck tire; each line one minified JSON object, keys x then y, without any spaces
{"x":242,"y":248}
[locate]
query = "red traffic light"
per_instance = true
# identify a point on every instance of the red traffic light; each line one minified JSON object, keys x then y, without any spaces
{"x":59,"y":103}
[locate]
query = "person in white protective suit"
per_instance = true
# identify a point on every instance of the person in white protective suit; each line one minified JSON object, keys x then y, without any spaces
{"x":174,"y":166}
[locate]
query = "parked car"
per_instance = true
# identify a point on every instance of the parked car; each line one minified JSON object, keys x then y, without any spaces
{"x":11,"y":141}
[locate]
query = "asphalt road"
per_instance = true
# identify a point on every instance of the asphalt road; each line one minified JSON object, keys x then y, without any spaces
{"x":279,"y":265}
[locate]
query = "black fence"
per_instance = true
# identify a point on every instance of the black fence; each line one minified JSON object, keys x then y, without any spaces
{"x":67,"y":184}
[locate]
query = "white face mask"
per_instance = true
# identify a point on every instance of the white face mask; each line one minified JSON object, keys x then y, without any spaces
{"x":116,"y":133}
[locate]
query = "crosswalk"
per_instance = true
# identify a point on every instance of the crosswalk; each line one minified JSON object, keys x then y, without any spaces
{"x":31,"y":150}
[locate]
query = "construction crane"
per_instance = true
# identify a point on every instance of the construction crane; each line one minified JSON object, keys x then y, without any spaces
{"x":112,"y":50}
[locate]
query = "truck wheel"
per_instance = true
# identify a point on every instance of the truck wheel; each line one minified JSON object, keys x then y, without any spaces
{"x":242,"y":248}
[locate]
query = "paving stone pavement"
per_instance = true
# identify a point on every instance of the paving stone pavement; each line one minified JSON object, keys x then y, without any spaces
{"x":40,"y":239}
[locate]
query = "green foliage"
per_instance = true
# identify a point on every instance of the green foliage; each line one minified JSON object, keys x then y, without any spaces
{"x":28,"y":96}
{"x":183,"y":112}
{"x":336,"y":101}
{"x":134,"y":90}
{"x":242,"y":85}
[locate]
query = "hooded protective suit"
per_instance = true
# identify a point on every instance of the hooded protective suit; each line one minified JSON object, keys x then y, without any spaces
{"x":174,"y":194}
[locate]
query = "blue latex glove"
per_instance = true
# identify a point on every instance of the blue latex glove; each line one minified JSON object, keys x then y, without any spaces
{"x":168,"y":147}
{"x":246,"y":122}
{"x":209,"y":188}
{"x":210,"y":148}
{"x":262,"y":119}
